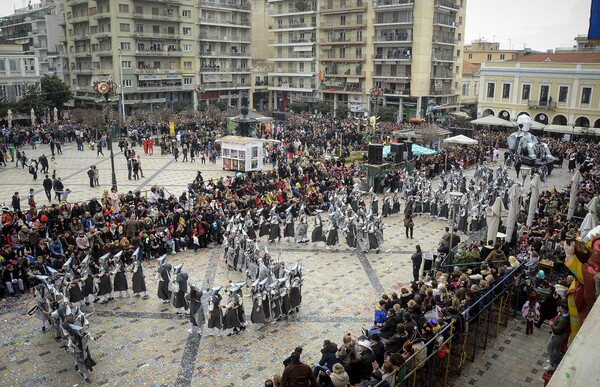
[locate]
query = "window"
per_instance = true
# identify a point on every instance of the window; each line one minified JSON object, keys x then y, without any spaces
{"x":502,"y":56}
{"x":490,"y":90}
{"x":563,"y":91}
{"x":124,"y":27}
{"x":126,"y":64}
{"x":18,"y":91}
{"x":470,"y":56}
{"x":526,"y":92}
{"x":13,"y":65}
{"x":127,"y":83}
{"x":187,"y":47}
{"x":125,"y":46}
{"x":124,"y":8}
{"x":2,"y":66}
{"x":187,"y":65}
{"x":139,"y":28}
{"x":187,"y":31}
{"x":186,"y":13}
{"x":187,"y":81}
{"x":155,"y":11}
{"x":586,"y":95}
{"x":139,"y":9}
{"x":505,"y":90}
{"x":156,"y":29}
{"x":476,"y":89}
{"x":489,"y":57}
{"x":465,"y":89}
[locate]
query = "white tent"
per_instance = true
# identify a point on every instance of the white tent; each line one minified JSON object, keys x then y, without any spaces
{"x":493,"y":214}
{"x":460,"y":139}
{"x":534,"y":125}
{"x":513,"y":211}
{"x":491,"y":120}
{"x":573,"y":197}
{"x":533,"y":200}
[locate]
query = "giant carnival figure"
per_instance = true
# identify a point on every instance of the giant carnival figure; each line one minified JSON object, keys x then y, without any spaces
{"x":526,"y":147}
{"x":583,"y":260}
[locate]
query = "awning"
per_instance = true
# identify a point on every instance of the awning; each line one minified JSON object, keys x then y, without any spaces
{"x":460,"y":139}
{"x":460,"y":114}
{"x":419,"y":150}
{"x":491,"y":120}
{"x":416,"y":120}
{"x":567,"y":129}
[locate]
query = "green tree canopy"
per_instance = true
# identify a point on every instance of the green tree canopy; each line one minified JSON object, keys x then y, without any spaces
{"x":55,"y":91}
{"x":33,"y":98}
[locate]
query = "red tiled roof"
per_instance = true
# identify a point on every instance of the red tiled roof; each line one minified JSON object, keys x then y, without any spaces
{"x":470,"y":68}
{"x":563,"y":57}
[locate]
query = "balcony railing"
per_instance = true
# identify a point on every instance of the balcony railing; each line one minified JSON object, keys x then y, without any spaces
{"x":225,"y":4}
{"x":158,"y":71}
{"x":444,"y":39}
{"x":446,"y":3}
{"x":441,"y":75}
{"x":81,"y":37}
{"x":294,"y":25}
{"x":292,"y":10}
{"x":397,"y":54}
{"x":295,"y":56}
{"x":224,"y":38}
{"x":225,"y":21}
{"x":391,"y":19}
{"x":389,"y":74}
{"x":226,"y":53}
{"x":346,"y":25}
{"x":76,"y":2}
{"x":163,"y":17}
{"x":346,"y":40}
{"x":102,"y":15}
{"x":541,"y":105}
{"x":217,"y":69}
{"x":225,"y":85}
{"x":396,"y":91}
{"x":291,"y":41}
{"x":392,"y":3}
{"x":393,"y":37}
{"x":344,"y":7}
{"x":158,"y":53}
{"x":344,"y":58}
{"x":441,"y":91}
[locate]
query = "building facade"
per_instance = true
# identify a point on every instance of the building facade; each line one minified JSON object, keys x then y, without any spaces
{"x":557,"y":89}
{"x":361,"y":54}
{"x":163,"y":53}
{"x":17,"y":70}
{"x":482,"y":51}
{"x":36,"y":29}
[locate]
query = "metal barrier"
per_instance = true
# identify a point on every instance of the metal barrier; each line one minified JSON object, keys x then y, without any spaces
{"x":492,"y":311}
{"x":477,"y":235}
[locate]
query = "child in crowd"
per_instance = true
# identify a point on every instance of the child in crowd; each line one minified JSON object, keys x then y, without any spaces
{"x":531,"y":312}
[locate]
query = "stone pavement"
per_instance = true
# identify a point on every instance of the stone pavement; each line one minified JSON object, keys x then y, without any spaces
{"x":142,"y":342}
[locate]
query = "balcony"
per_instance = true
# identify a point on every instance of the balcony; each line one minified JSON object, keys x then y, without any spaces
{"x":441,"y":91}
{"x":333,"y":73}
{"x":159,"y":86}
{"x":390,"y":74}
{"x":387,"y":20}
{"x":224,"y":4}
{"x":81,"y":37}
{"x":342,"y":41}
{"x":393,"y":38}
{"x":343,"y":8}
{"x":225,"y":85}
{"x":291,"y":10}
{"x":284,"y":86}
{"x":102,"y":15}
{"x":81,"y":54}
{"x":104,"y":52}
{"x":446,"y":4}
{"x":226,"y":22}
{"x":173,"y":53}
{"x":281,"y":72}
{"x":163,"y":17}
{"x":396,"y":92}
{"x":102,"y":35}
{"x":79,"y":19}
{"x":444,"y":40}
{"x":290,"y":42}
{"x":340,"y":26}
{"x":345,"y":58}
{"x":221,"y":54}
{"x":542,"y":105}
{"x":301,"y":57}
{"x":293,"y":26}
{"x":444,"y":21}
{"x":394,"y":4}
{"x":153,"y":36}
{"x":73,"y":3}
{"x":441,"y":75}
{"x":224,"y":38}
{"x":215,"y":69}
{"x":399,"y":54}
{"x":82,"y":71}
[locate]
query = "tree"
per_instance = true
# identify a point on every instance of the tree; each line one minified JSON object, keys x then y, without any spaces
{"x":387,"y":113}
{"x":55,"y":91}
{"x":32,"y":99}
{"x":342,"y":111}
{"x":322,"y":107}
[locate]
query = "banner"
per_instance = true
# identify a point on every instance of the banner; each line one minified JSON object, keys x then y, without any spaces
{"x":171,"y":128}
{"x":594,"y":31}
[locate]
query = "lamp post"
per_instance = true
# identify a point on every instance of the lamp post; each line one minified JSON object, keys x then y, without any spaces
{"x":122,"y":86}
{"x":375,"y":92}
{"x":573,"y":133}
{"x":455,"y":197}
{"x":105,"y":89}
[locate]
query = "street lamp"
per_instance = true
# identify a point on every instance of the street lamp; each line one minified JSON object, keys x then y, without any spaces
{"x":122,"y":86}
{"x":573,"y":134}
{"x":105,"y":89}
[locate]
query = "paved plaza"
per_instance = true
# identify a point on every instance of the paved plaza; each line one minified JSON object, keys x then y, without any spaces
{"x":143,"y":342}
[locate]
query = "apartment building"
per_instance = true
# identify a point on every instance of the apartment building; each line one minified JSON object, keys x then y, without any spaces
{"x":357,"y":53}
{"x":18,"y":68}
{"x":561,"y":90}
{"x":36,"y":29}
{"x":162,"y":52}
{"x":483,"y":51}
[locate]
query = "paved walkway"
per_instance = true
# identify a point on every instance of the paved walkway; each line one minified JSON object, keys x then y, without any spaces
{"x":142,"y":341}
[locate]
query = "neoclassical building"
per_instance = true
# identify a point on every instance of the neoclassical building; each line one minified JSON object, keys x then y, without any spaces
{"x":561,"y":90}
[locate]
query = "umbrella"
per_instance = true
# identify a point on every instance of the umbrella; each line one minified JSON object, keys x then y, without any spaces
{"x":416,"y":120}
{"x":493,"y":214}
{"x":10,"y":118}
{"x":573,"y":198}
{"x":513,"y":210}
{"x":533,"y":200}
{"x":593,"y":208}
{"x":418,"y":150}
{"x":32,"y":117}
{"x":55,"y":115}
{"x":491,"y":120}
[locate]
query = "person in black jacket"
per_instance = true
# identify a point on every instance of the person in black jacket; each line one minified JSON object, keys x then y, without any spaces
{"x":378,"y":349}
{"x":47,"y":183}
{"x":328,"y":358}
{"x":367,"y":357}
{"x":417,"y":259}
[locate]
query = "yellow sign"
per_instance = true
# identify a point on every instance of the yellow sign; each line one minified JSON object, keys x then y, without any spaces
{"x":171,"y":128}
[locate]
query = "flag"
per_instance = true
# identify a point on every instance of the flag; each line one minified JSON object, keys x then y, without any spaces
{"x":594,"y":31}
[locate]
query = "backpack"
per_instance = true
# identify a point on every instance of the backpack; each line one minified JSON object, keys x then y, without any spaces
{"x":215,"y":226}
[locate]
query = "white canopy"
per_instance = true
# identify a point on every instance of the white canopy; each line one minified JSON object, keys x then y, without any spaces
{"x":491,"y":120}
{"x":460,"y":139}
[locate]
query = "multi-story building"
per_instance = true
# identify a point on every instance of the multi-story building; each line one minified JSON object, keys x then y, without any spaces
{"x":407,"y":51}
{"x":483,"y":51}
{"x":36,"y":29}
{"x":162,"y":52}
{"x":18,"y":68}
{"x":294,"y":29}
{"x":470,"y":85}
{"x":225,"y":56}
{"x":562,"y":90}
